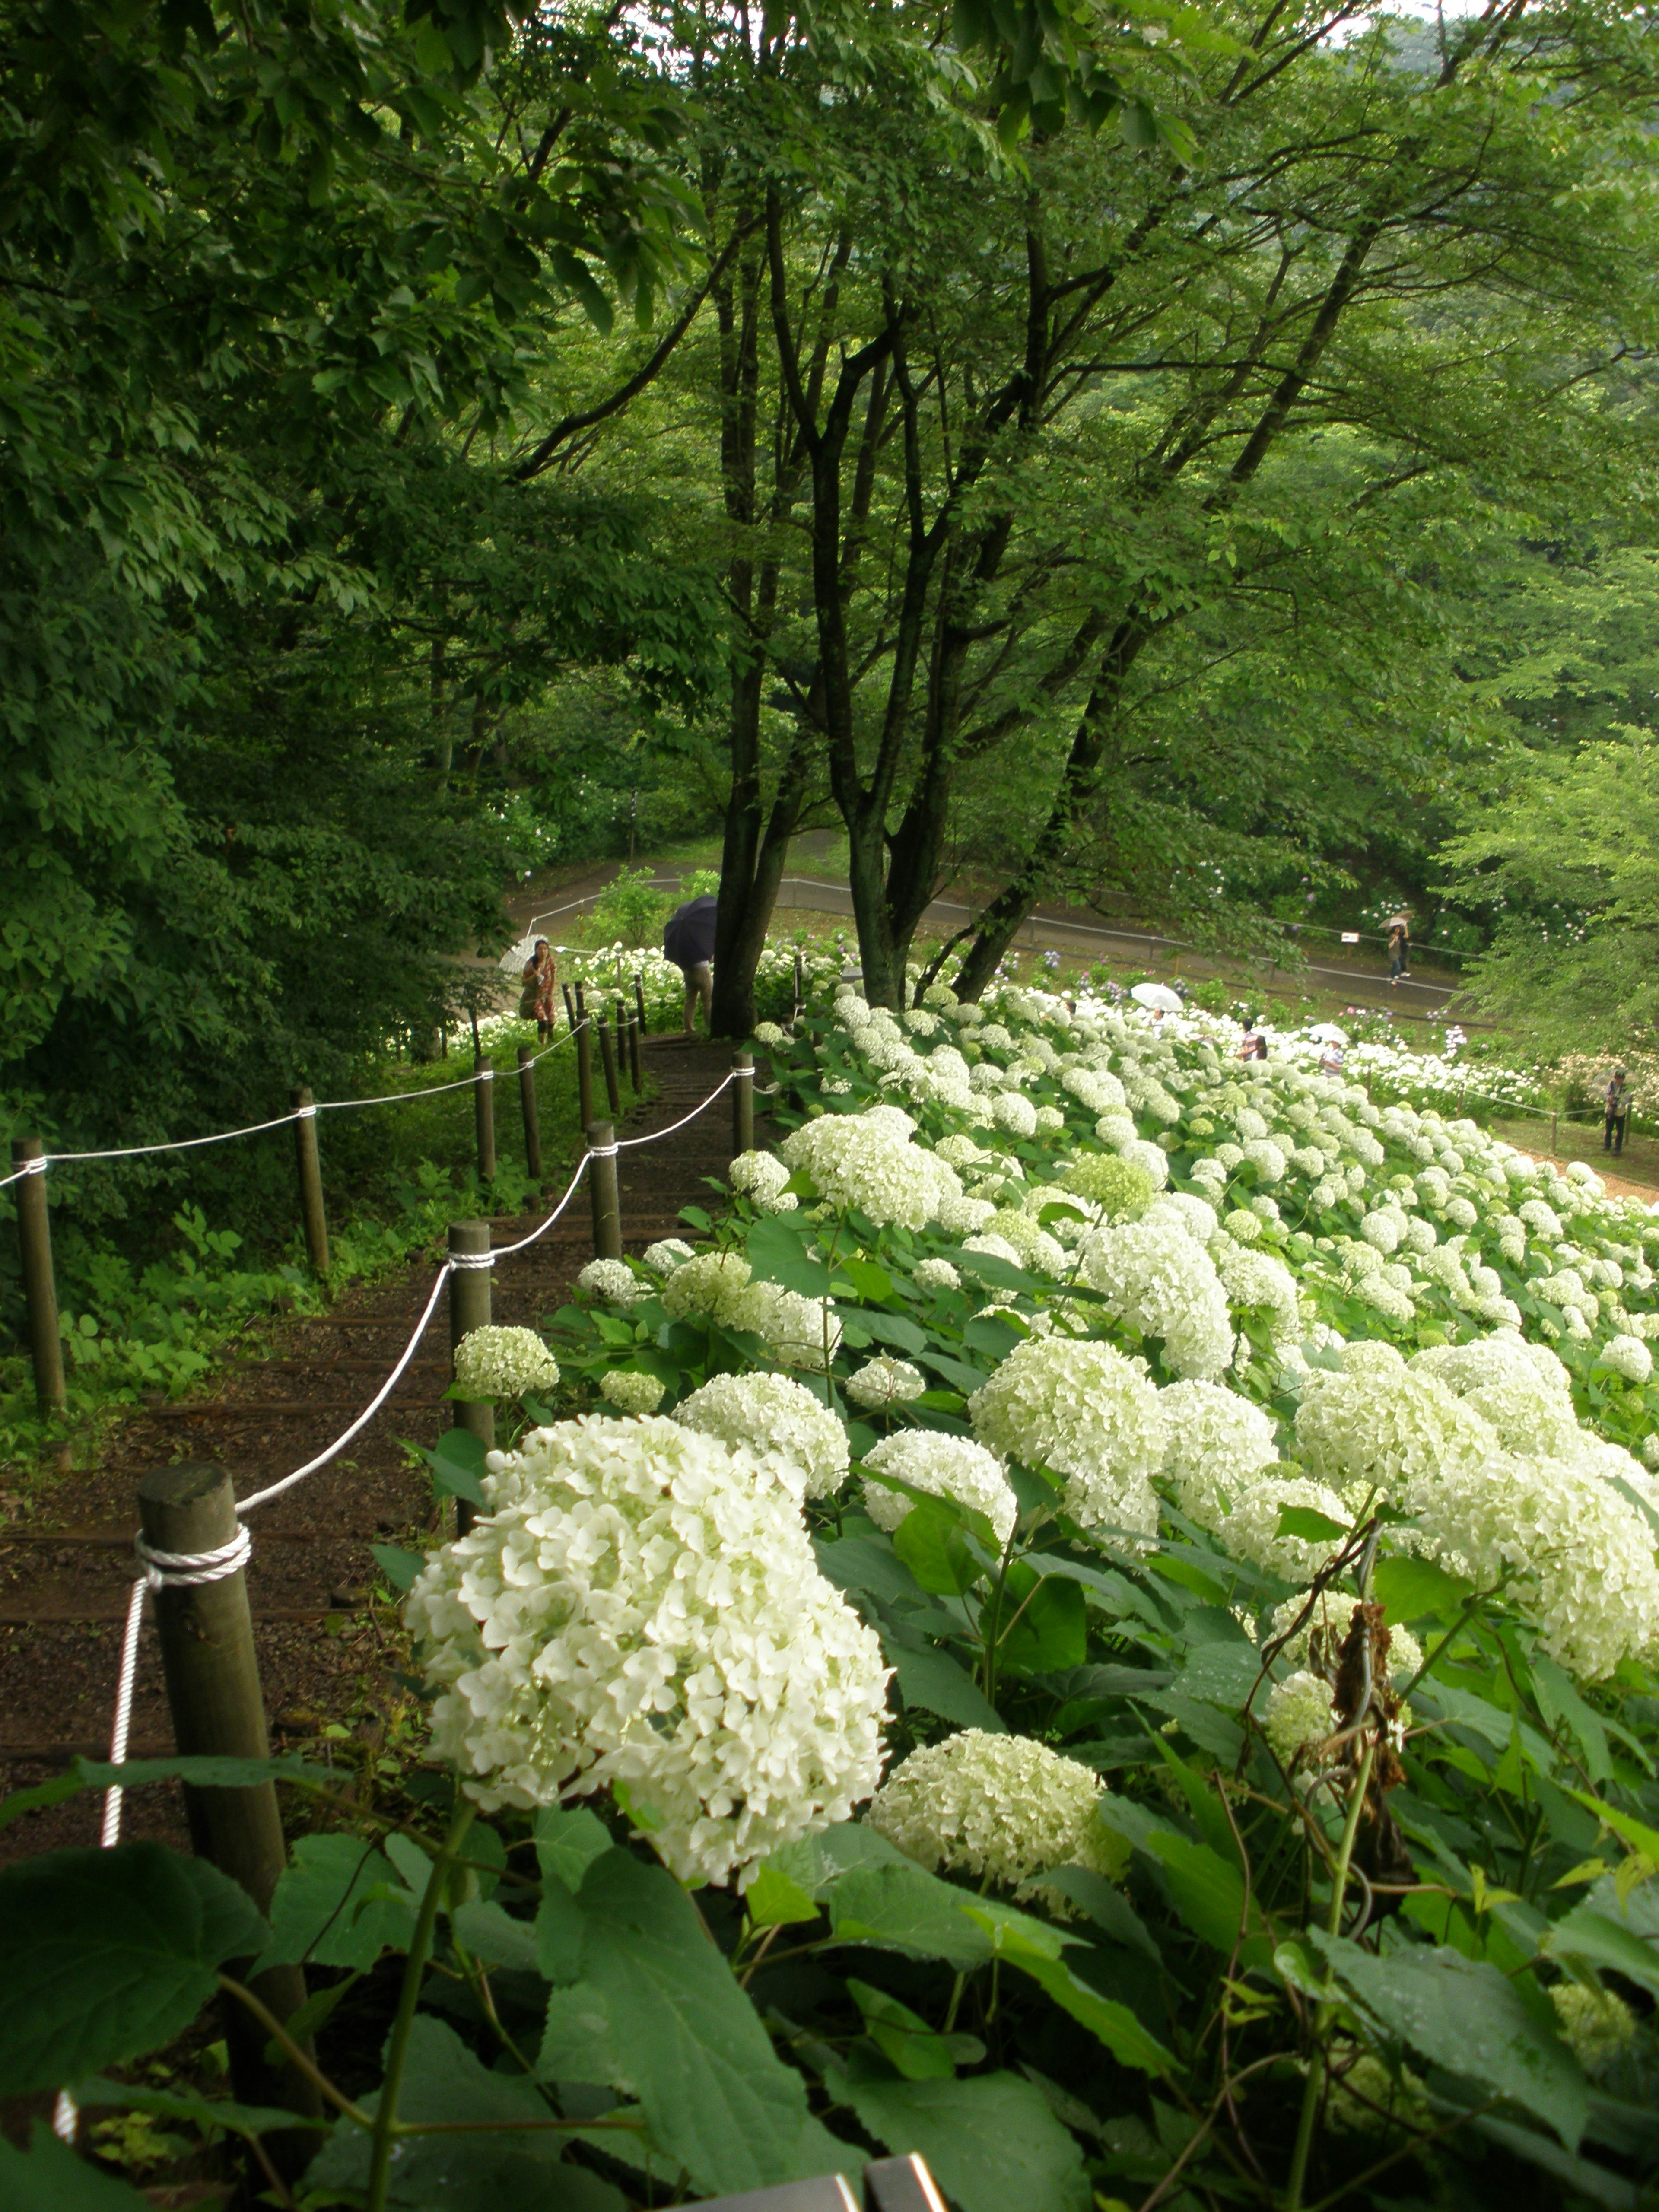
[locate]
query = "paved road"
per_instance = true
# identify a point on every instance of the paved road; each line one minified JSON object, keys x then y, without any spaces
{"x":1059,"y":926}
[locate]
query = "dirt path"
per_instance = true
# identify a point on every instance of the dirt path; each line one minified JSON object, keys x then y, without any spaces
{"x":323,"y":1651}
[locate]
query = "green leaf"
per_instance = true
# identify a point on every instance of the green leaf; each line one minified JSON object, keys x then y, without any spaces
{"x":1209,"y":1895}
{"x":247,"y":2120}
{"x":919,"y":2051}
{"x":339,"y":1903}
{"x":931,"y":1541}
{"x":491,"y":1935}
{"x":1046,"y":1622}
{"x":1462,"y":2014}
{"x":868,"y":1563}
{"x":569,"y":1838}
{"x":773,"y":1900}
{"x":1303,"y":1521}
{"x":1558,"y":1700}
{"x":1635,"y":1832}
{"x":896,"y":1329}
{"x":683,"y":2037}
{"x":936,"y":1682}
{"x":479,"y":2170}
{"x":967,"y":1379}
{"x":201,"y":1773}
{"x":777,"y":1254}
{"x":49,"y":2177}
{"x":990,"y":2139}
{"x":903,"y":1907}
{"x":457,"y":1465}
{"x":399,"y":1568}
{"x":105,"y":1955}
{"x":1106,"y":1906}
{"x":1108,"y":2021}
{"x":1601,"y":1941}
{"x":870,"y":1281}
{"x":1417,"y":1589}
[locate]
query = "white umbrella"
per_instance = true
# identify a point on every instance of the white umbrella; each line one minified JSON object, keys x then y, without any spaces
{"x":515,"y":955}
{"x":1327,"y":1033}
{"x":1156,"y":994}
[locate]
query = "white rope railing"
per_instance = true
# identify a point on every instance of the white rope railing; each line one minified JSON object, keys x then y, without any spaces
{"x":484,"y":1072}
{"x":162,"y":1569}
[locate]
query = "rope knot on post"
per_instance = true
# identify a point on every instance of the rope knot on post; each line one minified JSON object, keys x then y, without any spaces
{"x":464,"y":1260}
{"x":192,"y":1569}
{"x":305,"y":1113}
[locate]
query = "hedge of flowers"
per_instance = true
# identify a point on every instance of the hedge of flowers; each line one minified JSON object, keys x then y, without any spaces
{"x":1094,"y":1620}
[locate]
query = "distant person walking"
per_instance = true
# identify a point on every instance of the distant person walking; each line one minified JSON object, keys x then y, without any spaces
{"x":539,"y":998}
{"x":1616,"y":1112}
{"x":1400,"y":947}
{"x":688,"y":939}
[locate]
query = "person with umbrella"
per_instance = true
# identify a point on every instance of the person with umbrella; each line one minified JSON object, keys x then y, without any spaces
{"x":688,"y":939}
{"x":1617,"y":1113}
{"x":1400,"y":947}
{"x":536,"y":1001}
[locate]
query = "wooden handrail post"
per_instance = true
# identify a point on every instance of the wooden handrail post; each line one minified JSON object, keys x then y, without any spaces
{"x":743,"y":1103}
{"x":639,"y":1002}
{"x":469,"y":1308}
{"x":312,"y":1215}
{"x":636,"y":1066}
{"x":569,"y":1005}
{"x":533,"y":1134}
{"x":584,"y":1069}
{"x":39,"y":1284}
{"x":483,"y":1115}
{"x":608,"y":1062}
{"x":603,"y":1190}
{"x":212,"y":1674}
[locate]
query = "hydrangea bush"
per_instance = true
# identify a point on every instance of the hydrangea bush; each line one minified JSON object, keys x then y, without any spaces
{"x":1097,"y":1620}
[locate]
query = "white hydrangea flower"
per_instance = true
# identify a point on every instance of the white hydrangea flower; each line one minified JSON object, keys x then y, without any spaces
{"x":937,"y":1275}
{"x":1219,"y":1443}
{"x":503,"y":1363}
{"x":1015,"y":1112}
{"x":768,"y":1033}
{"x":1627,"y":1356}
{"x":641,"y":1606}
{"x":631,"y":1391}
{"x":667,"y":1254}
{"x":883,"y":1381}
{"x":945,"y":1467}
{"x":1300,"y":1714}
{"x":1087,"y":1412}
{"x":778,"y":1421}
{"x":1261,"y":1281}
{"x":1597,"y":2023}
{"x":708,"y":1287}
{"x":868,"y":1161}
{"x":960,"y":1216}
{"x":1153,"y":1158}
{"x":1265,"y":1157}
{"x":1251,"y":1529}
{"x":961,"y":1151}
{"x":1050,"y":1119}
{"x":1003,"y":1807}
{"x":1520,"y":1389}
{"x":612,"y":1280}
{"x":1159,"y":1280}
{"x":798,"y":1331}
{"x":762,"y":1176}
{"x":1117,"y":1128}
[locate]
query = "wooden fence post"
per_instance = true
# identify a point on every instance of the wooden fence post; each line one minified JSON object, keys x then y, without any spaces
{"x":212,"y":1674}
{"x":743,"y":1103}
{"x":533,"y":1134}
{"x":608,"y":1062}
{"x":602,"y":1189}
{"x":585,"y":1071}
{"x":801,"y":988}
{"x":1552,"y":1121}
{"x":484,"y":1116}
{"x":635,"y":1069}
{"x":569,"y":1005}
{"x":40,"y":1286}
{"x":639,"y":1002}
{"x":469,"y":1308}
{"x":312,"y":1215}
{"x":624,"y":1051}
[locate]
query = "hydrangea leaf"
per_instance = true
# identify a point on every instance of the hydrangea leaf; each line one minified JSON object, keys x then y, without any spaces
{"x":105,"y":1954}
{"x":1463,"y":2015}
{"x":990,"y":2139}
{"x":682,"y":2037}
{"x":868,"y":1563}
{"x":1418,"y":1590}
{"x":773,"y":1900}
{"x":932,"y":1680}
{"x":1047,"y":1624}
{"x":478,"y":2169}
{"x":48,"y":2177}
{"x":1110,"y":2022}
{"x":777,"y":1254}
{"x":399,"y":1567}
{"x":569,"y":1838}
{"x":457,"y":1461}
{"x":338,"y":1903}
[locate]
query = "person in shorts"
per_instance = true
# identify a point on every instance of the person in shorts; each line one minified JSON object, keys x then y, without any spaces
{"x":1615,"y":1113}
{"x":688,"y":939}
